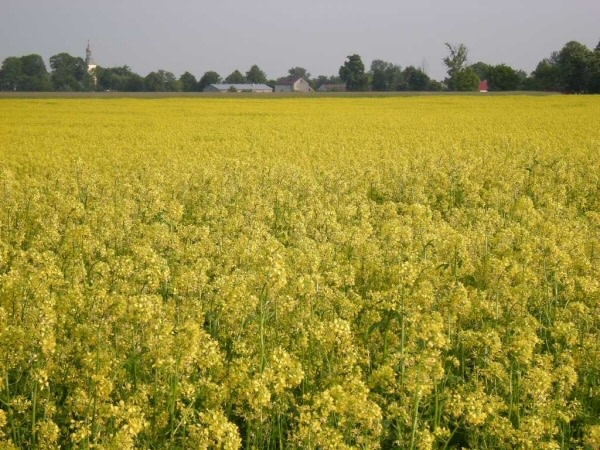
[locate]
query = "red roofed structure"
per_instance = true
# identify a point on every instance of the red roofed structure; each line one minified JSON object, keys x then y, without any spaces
{"x":483,"y":86}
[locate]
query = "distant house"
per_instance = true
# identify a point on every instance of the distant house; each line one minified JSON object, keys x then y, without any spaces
{"x":483,"y":86}
{"x":292,"y":85}
{"x":332,"y":88}
{"x":227,"y":87}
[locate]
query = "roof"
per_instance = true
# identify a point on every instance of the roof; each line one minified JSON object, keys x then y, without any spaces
{"x":288,"y":81}
{"x":242,"y":87}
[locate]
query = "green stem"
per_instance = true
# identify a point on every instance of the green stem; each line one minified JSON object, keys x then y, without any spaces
{"x":450,"y":438}
{"x":263,"y":358}
{"x":436,"y":407}
{"x":33,"y":413}
{"x":13,"y":428}
{"x":402,"y":341}
{"x":415,"y":419}
{"x":385,"y":345}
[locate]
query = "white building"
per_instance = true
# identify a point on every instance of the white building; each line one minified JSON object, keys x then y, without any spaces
{"x":291,"y":85}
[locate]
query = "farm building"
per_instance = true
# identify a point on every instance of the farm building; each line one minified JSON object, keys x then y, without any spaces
{"x":292,"y":85}
{"x":483,"y":86}
{"x":332,"y":88}
{"x":226,"y":87}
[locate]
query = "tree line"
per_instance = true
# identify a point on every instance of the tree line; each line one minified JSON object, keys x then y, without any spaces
{"x":573,"y":69}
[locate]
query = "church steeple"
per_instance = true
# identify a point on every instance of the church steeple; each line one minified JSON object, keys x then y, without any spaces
{"x":89,"y":61}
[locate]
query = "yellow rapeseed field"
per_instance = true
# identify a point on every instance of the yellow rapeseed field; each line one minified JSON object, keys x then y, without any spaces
{"x":303,"y":273}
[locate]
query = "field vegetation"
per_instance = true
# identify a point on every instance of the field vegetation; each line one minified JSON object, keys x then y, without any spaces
{"x":310,"y":273}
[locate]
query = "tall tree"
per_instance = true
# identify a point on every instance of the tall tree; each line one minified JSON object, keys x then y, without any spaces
{"x":209,"y":78}
{"x":503,"y":78}
{"x":118,"y":79}
{"x":255,"y":75}
{"x":161,"y":81}
{"x":456,"y":63}
{"x":416,"y":79}
{"x":594,"y":86}
{"x":353,"y":74}
{"x":379,"y":80}
{"x":465,"y":80}
{"x":546,"y":76}
{"x":235,"y":77}
{"x":153,"y":82}
{"x":11,"y":74}
{"x":188,"y":82}
{"x":107,"y":81}
{"x":435,"y":86}
{"x":134,"y":83}
{"x":171,"y":82}
{"x":298,"y":72}
{"x":386,"y":76}
{"x":324,"y":79}
{"x":69,"y":73}
{"x":574,"y":67}
{"x":35,"y":75}
{"x":482,"y":70}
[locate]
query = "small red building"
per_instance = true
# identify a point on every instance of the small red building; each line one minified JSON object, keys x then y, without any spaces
{"x":483,"y":86}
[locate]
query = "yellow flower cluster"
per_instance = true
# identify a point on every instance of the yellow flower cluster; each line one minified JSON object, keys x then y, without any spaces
{"x":310,"y":273}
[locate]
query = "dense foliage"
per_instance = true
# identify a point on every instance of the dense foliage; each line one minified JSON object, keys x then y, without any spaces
{"x":573,"y":69}
{"x":299,"y":273}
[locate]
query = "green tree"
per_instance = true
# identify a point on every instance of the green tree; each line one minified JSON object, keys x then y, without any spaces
{"x":235,"y":77}
{"x":107,"y":81}
{"x":594,"y":84}
{"x":134,"y":83}
{"x":171,"y":82}
{"x":209,"y":78}
{"x":35,"y":75}
{"x":386,"y":76}
{"x":353,"y":74}
{"x":416,"y":79}
{"x":161,"y":81}
{"x":11,"y":74}
{"x":482,"y":70}
{"x":298,"y":72}
{"x":68,"y":72}
{"x":456,"y":63}
{"x":324,"y":79}
{"x":435,"y":86}
{"x":255,"y":75}
{"x":153,"y":82}
{"x":574,"y":67}
{"x":504,"y":78}
{"x":466,"y":80}
{"x":188,"y":82}
{"x":546,"y":76}
{"x":321,"y":80}
{"x":378,"y":79}
{"x":117,"y":79}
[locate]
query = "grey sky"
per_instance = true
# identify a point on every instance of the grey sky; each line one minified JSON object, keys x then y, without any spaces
{"x":197,"y":36}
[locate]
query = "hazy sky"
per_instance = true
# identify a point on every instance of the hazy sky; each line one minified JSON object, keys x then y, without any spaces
{"x":223,"y":35}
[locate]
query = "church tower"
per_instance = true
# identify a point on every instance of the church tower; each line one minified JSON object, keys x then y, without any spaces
{"x":91,"y":65}
{"x":89,"y":61}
